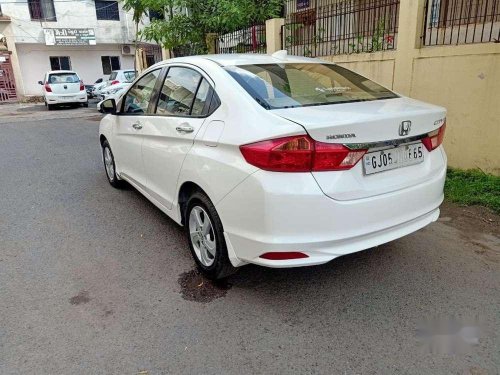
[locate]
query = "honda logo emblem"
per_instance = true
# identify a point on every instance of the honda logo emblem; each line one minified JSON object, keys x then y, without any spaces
{"x":404,"y":128}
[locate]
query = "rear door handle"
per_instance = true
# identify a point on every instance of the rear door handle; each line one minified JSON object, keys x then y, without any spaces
{"x":137,"y":126}
{"x":184,"y":129}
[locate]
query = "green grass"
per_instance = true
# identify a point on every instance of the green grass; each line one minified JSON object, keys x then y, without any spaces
{"x":473,"y":187}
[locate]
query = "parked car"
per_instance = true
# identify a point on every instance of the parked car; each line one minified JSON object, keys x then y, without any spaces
{"x":114,"y":90}
{"x":279,"y":161}
{"x":96,"y":90}
{"x":63,"y":87}
{"x":116,"y":77}
{"x":89,"y":88}
{"x":115,"y":93}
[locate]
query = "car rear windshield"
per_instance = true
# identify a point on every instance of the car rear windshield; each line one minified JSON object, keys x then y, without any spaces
{"x":63,"y":78}
{"x":113,"y":75}
{"x":291,"y":85}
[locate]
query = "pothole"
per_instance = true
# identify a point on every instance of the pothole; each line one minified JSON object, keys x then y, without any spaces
{"x":195,"y":287}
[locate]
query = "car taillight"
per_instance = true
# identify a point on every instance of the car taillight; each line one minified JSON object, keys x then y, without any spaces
{"x":434,"y":138}
{"x":82,"y":86}
{"x":115,"y":82}
{"x":300,"y":154}
{"x":47,"y":87}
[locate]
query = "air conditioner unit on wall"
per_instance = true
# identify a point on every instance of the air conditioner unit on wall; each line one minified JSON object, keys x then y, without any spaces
{"x":127,"y":50}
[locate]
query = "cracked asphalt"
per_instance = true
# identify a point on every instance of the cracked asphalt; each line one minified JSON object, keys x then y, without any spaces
{"x":95,"y":280}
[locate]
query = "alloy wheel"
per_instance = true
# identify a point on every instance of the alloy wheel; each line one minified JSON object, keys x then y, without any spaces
{"x":108,"y":164}
{"x":202,"y":236}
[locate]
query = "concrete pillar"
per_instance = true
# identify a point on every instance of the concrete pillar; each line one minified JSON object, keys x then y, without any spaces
{"x":165,"y":54}
{"x":273,"y":34}
{"x":139,"y":60}
{"x":211,"y":39}
{"x":411,"y":16}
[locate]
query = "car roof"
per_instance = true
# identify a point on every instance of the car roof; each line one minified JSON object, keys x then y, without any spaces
{"x":61,"y":71}
{"x":246,"y":59}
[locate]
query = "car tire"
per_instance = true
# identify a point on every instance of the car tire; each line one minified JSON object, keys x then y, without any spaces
{"x":110,"y":166}
{"x":86,"y":104}
{"x":50,"y":107}
{"x":206,"y":238}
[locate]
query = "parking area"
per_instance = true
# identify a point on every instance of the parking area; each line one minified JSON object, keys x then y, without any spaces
{"x":95,"y":280}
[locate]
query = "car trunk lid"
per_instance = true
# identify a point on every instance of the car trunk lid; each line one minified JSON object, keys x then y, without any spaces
{"x":374,"y":125}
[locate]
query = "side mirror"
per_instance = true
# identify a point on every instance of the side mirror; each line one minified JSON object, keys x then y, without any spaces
{"x":99,"y":80}
{"x":108,"y":106}
{"x":40,"y":83}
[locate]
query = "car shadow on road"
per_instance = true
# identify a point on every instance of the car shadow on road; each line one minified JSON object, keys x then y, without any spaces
{"x":250,"y":276}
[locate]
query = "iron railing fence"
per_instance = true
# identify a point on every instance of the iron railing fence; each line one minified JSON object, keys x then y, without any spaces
{"x":251,"y":39}
{"x":187,"y":50}
{"x":332,"y":27}
{"x":449,"y":22}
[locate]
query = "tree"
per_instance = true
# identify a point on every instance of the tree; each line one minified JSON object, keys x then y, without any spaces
{"x":188,"y":22}
{"x":138,"y":8}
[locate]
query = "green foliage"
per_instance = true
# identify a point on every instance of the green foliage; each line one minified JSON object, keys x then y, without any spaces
{"x":473,"y":187}
{"x":138,"y":9}
{"x":189,"y":21}
{"x":378,"y":42}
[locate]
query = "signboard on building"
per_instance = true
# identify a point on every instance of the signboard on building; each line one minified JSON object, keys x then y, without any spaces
{"x":69,"y":37}
{"x":302,"y":4}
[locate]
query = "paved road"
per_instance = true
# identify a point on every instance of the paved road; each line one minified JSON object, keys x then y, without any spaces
{"x":97,"y":281}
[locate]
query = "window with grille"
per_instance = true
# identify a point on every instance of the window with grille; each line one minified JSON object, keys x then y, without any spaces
{"x":60,"y":63}
{"x":107,"y":10}
{"x":42,"y":10}
{"x":110,"y":63}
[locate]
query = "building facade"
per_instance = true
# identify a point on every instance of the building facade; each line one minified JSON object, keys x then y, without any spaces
{"x":90,"y":37}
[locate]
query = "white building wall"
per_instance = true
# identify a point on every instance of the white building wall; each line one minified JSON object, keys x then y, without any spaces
{"x":33,"y":54}
{"x":70,"y":14}
{"x":85,"y":60}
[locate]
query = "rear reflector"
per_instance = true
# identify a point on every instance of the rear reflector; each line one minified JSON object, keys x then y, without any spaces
{"x":300,"y":154}
{"x":435,"y":138}
{"x":115,"y":82}
{"x":284,"y":255}
{"x":47,"y":87}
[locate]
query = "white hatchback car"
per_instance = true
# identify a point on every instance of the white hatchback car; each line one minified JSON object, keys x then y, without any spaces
{"x":63,"y":87}
{"x":279,"y":161}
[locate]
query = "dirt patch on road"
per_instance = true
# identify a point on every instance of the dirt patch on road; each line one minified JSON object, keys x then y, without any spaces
{"x":195,"y":287}
{"x":80,"y":298}
{"x":479,"y":226}
{"x":470,"y":219}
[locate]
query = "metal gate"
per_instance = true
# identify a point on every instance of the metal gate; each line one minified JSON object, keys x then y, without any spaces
{"x":7,"y":82}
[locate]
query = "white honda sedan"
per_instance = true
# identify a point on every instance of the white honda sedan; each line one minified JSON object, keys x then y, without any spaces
{"x":275,"y":160}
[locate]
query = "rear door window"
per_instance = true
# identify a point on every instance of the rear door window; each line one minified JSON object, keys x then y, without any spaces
{"x":200,"y":100}
{"x":178,"y":92}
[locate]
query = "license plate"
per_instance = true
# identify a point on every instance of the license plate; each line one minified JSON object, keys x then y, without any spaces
{"x":67,"y":97}
{"x":398,"y":157}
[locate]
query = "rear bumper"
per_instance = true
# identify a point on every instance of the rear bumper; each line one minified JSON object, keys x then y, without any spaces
{"x":272,"y":212}
{"x":80,"y":97}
